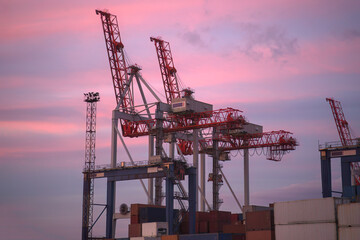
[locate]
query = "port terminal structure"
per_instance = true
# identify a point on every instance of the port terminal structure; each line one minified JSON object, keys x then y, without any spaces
{"x":348,"y":154}
{"x":168,"y":169}
{"x":348,"y":150}
{"x":181,"y":123}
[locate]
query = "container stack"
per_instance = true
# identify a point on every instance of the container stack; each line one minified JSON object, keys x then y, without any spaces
{"x":349,"y":221}
{"x":206,"y":236}
{"x":207,"y":222}
{"x":307,"y":219}
{"x":260,"y":225}
{"x":144,"y":217}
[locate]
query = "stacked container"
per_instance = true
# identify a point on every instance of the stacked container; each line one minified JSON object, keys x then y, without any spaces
{"x":143,"y":213}
{"x":349,"y":221}
{"x":307,"y":219}
{"x":260,"y":225}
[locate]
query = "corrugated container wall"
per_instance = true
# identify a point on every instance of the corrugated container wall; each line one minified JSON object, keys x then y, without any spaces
{"x":349,"y":233}
{"x":154,"y":229}
{"x":349,"y":221}
{"x":260,"y":235}
{"x":170,"y":237}
{"x":312,"y":231}
{"x":145,"y":238}
{"x":307,"y":211}
{"x":206,"y":236}
{"x":349,"y":215}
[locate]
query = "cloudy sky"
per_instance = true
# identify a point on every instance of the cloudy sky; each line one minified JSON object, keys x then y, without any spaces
{"x":275,"y":60}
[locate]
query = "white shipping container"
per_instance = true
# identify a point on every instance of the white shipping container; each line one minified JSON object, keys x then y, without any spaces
{"x":314,"y":231}
{"x":307,"y":211}
{"x":154,"y":229}
{"x":145,"y":238}
{"x":349,"y":233}
{"x":349,"y":215}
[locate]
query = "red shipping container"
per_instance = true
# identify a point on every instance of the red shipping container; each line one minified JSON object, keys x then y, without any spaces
{"x":203,"y":227}
{"x":260,"y":235}
{"x":220,"y":216}
{"x":134,"y":219}
{"x":234,"y":218}
{"x":234,"y":228}
{"x":135,"y":208}
{"x":216,"y":227}
{"x":184,"y":227}
{"x":202,"y":216}
{"x":261,"y":220}
{"x":238,"y":236}
{"x":134,"y":230}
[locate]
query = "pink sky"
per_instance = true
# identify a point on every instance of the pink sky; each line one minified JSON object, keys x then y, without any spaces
{"x":276,"y":60}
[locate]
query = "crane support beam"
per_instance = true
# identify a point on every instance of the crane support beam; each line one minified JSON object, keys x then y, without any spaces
{"x":228,"y":117}
{"x":277,"y":142}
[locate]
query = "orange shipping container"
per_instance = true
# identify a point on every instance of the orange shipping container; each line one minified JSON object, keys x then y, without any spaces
{"x":260,"y":235}
{"x":170,"y":237}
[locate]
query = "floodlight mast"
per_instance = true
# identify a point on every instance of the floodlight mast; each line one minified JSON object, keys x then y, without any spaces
{"x":91,"y":100}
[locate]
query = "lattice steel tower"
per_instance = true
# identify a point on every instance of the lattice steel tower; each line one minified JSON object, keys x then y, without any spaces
{"x":91,"y":99}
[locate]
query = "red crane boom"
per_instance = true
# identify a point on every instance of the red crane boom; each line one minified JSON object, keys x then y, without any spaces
{"x":340,"y":121}
{"x":167,"y":69}
{"x":115,"y":50}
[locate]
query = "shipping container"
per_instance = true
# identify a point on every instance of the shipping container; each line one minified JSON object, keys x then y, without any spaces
{"x":234,"y":228}
{"x":349,"y":233}
{"x":238,"y":236}
{"x":135,"y":208}
{"x":206,"y":236}
{"x":255,"y":208}
{"x":154,"y":214}
{"x":154,"y":229}
{"x":349,"y":215}
{"x":313,"y":231}
{"x":145,"y":238}
{"x":260,"y":220}
{"x":307,"y":211}
{"x":203,"y":227}
{"x":135,"y":230}
{"x":134,"y":219}
{"x":262,"y":235}
{"x":220,"y":216}
{"x":216,"y":226}
{"x":170,"y":237}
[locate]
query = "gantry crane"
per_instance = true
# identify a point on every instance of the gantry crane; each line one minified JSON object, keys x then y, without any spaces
{"x":343,"y":129}
{"x":225,"y":137}
{"x":348,"y":150}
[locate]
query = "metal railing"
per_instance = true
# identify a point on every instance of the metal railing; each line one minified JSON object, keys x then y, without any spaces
{"x":337,"y":144}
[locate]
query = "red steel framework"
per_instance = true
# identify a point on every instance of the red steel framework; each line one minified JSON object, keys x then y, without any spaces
{"x":167,"y":69}
{"x":115,"y":50}
{"x":277,"y":143}
{"x":229,"y":117}
{"x":340,"y":121}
